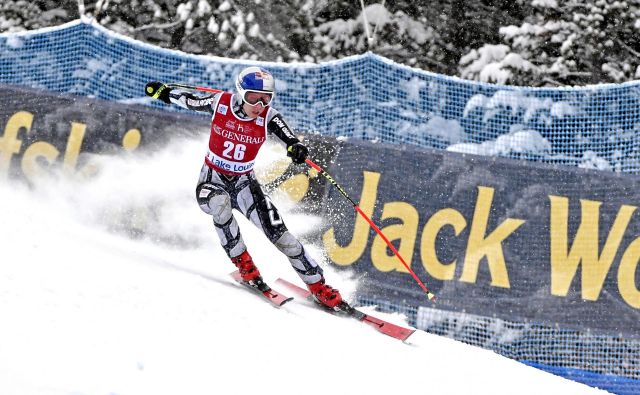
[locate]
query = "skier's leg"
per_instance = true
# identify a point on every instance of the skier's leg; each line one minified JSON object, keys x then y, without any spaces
{"x":214,"y":199}
{"x":257,"y":206}
{"x":216,"y":202}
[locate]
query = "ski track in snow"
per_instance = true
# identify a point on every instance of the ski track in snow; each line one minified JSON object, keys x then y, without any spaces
{"x":86,"y":309}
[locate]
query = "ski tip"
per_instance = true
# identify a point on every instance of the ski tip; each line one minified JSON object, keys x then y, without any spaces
{"x":407,"y":336}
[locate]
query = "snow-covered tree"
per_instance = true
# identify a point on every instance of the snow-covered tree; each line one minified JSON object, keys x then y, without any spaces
{"x":520,"y":42}
{"x":426,"y":34}
{"x":394,"y":35}
{"x":565,"y":42}
{"x":19,"y":15}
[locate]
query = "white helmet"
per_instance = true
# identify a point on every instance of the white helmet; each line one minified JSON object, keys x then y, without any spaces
{"x":256,"y":79}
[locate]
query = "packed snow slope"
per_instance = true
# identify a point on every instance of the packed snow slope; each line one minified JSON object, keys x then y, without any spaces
{"x":90,"y":306}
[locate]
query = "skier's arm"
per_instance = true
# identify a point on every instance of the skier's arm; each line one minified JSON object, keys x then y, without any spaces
{"x":192,"y":102}
{"x":187,"y":100}
{"x":276,"y":125}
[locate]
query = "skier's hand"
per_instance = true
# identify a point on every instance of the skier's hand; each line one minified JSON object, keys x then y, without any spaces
{"x":297,"y":152}
{"x":158,"y":90}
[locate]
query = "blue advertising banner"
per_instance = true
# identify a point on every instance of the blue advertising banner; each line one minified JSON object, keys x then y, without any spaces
{"x":45,"y":130}
{"x":493,"y":237}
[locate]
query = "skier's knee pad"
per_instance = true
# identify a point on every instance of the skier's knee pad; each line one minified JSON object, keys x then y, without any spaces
{"x":214,"y":202}
{"x":220,"y":208}
{"x":289,"y":245}
{"x":304,"y":264}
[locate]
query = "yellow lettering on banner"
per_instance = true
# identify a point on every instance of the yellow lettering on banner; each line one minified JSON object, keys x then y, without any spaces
{"x":39,"y":149}
{"x":437,"y":269}
{"x":296,"y":187}
{"x":73,"y":146}
{"x":131,"y":139}
{"x":405,"y":232}
{"x":595,"y":265}
{"x":627,"y":275}
{"x":490,"y":246}
{"x":347,"y":255}
{"x":9,"y":143}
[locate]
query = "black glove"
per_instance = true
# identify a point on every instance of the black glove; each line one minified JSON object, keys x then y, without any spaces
{"x":297,"y":152}
{"x":158,"y":90}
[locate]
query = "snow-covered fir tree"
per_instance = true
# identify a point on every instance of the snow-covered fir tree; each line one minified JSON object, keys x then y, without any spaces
{"x":563,"y":42}
{"x":519,"y":42}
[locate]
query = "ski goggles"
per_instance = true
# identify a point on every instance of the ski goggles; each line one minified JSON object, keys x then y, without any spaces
{"x":254,"y":97}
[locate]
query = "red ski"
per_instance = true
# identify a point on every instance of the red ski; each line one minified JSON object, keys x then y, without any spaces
{"x":275,"y":297}
{"x":344,"y":308}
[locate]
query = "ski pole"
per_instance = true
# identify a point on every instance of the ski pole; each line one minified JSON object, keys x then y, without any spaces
{"x":193,"y":87}
{"x":326,"y":175}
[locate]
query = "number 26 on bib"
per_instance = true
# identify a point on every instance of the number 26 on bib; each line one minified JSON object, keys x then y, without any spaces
{"x":233,"y":151}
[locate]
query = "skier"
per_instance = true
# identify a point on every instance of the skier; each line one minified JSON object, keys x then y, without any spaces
{"x":239,"y":126}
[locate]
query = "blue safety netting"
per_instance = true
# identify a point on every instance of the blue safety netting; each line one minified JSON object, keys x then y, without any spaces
{"x":366,"y":96}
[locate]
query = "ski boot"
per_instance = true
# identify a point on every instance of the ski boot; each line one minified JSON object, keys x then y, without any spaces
{"x":325,"y":294}
{"x":249,"y":272}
